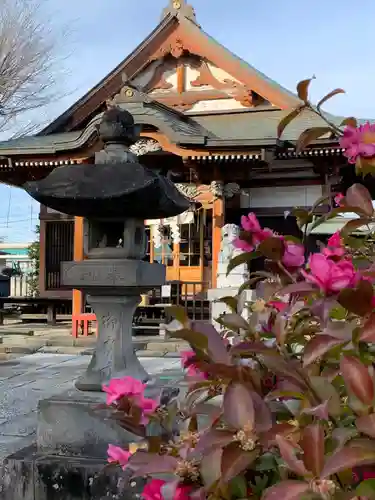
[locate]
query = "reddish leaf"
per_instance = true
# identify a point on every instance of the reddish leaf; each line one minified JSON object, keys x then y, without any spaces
{"x":211,"y":467}
{"x":347,"y":458}
{"x":327,"y":392}
{"x":318,"y":346}
{"x":213,"y":438}
{"x":268,"y":439}
{"x":235,"y":460}
{"x":357,"y":379}
{"x":313,"y":448}
{"x":263,"y":417}
{"x":272,"y":248}
{"x":368,"y":331}
{"x":366,"y":425}
{"x":358,"y":196}
{"x":350,"y":121}
{"x":215,"y":344}
{"x":329,"y":96}
{"x":286,"y":120}
{"x":357,"y":300}
{"x":143,"y":463}
{"x":248,"y":348}
{"x":302,"y":288}
{"x":342,"y":435}
{"x":320,"y":411}
{"x":238,"y":406}
{"x":310,"y":135}
{"x":286,"y":490}
{"x":288,"y":453}
{"x":280,"y":329}
{"x":303,"y":89}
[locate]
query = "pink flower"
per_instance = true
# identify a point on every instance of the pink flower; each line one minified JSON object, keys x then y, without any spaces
{"x":119,"y":387}
{"x":153,"y":491}
{"x":256,"y":234}
{"x":250,"y":223}
{"x":334,"y":248}
{"x":338,"y":199}
{"x":294,"y":254}
{"x":358,"y":142}
{"x":191,"y":369}
{"x":330,"y":276}
{"x":148,"y":407}
{"x":118,"y":455}
{"x":243,"y":245}
{"x":278,"y":305}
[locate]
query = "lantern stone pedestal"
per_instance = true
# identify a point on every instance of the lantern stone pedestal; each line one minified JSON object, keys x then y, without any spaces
{"x":113,"y":289}
{"x":114,"y":196}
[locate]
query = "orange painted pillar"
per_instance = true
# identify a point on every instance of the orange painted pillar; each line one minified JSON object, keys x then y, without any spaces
{"x":78,"y":255}
{"x":217,"y":224}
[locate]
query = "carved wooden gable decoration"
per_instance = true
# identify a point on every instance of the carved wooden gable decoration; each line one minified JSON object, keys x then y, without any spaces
{"x":189,"y":82}
{"x":182,"y":67}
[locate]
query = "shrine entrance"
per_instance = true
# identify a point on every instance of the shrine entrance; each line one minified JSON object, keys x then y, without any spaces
{"x":184,"y":245}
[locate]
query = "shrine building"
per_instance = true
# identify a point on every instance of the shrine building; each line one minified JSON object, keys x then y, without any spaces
{"x":209,"y":122}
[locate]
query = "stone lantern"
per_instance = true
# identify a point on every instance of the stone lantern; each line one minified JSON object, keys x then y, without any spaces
{"x":115,"y":196}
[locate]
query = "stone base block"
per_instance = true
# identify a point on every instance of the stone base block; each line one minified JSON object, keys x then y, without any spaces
{"x":30,"y":475}
{"x":72,"y":424}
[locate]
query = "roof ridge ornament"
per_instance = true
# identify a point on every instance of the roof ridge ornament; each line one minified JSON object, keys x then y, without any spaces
{"x":181,"y":8}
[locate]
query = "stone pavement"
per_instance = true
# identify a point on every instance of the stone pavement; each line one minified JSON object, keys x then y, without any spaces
{"x":26,"y":380}
{"x":19,"y":338}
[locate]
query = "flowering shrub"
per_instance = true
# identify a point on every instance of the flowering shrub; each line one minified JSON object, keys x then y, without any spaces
{"x":283,"y":408}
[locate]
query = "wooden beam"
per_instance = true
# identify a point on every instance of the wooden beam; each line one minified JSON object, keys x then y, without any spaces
{"x":217,"y":224}
{"x":78,"y":255}
{"x":42,"y":256}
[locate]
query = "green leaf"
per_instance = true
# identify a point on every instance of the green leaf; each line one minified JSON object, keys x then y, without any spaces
{"x":231,"y":302}
{"x":366,"y":489}
{"x":238,"y":487}
{"x":329,"y":96}
{"x":179,"y":313}
{"x":310,"y":135}
{"x":195,"y":339}
{"x":233,"y":321}
{"x":286,"y":120}
{"x":242,"y":258}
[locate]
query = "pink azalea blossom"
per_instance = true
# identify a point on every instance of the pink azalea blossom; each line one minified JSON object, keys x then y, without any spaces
{"x":330,"y":276}
{"x":118,"y":455}
{"x":153,"y":491}
{"x":191,"y":369}
{"x":339,"y":199}
{"x":294,"y":254}
{"x":335,"y":247}
{"x":119,"y":387}
{"x":358,"y":142}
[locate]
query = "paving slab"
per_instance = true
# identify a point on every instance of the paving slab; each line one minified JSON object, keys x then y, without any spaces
{"x":28,"y":379}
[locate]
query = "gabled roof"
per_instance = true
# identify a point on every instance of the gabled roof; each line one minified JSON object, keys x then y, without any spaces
{"x":177,"y":25}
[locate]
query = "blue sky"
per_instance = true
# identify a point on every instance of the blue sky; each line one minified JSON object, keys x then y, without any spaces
{"x":288,"y":40}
